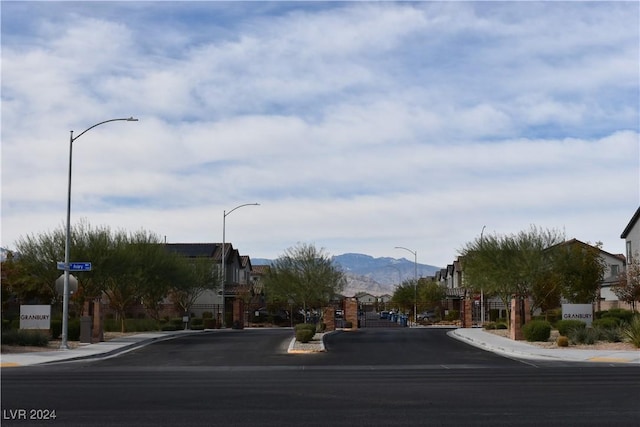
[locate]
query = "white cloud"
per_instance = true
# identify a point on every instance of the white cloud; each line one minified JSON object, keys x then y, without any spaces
{"x":357,"y":126}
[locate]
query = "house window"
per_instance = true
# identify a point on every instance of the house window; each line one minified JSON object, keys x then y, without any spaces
{"x":614,"y":270}
{"x":629,"y":260}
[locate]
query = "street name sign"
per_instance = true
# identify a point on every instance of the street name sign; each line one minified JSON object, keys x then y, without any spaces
{"x":76,"y":266}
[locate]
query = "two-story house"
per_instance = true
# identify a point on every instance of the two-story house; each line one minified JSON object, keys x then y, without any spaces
{"x":237,"y":281}
{"x":631,"y":235}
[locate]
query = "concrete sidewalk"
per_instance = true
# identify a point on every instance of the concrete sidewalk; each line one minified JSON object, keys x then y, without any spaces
{"x":86,"y":351}
{"x":523,"y":350}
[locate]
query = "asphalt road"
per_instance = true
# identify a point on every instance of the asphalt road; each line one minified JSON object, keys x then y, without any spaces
{"x":367,"y":378}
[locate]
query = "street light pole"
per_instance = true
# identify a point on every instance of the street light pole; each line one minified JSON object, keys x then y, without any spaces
{"x":224,"y":255}
{"x":481,"y":288}
{"x":67,"y":245}
{"x":415,"y":285}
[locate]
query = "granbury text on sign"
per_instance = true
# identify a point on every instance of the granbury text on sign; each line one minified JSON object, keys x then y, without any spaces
{"x":582,"y":312}
{"x":35,"y":317}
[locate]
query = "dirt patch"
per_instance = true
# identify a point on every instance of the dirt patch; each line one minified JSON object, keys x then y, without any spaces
{"x":551,"y":343}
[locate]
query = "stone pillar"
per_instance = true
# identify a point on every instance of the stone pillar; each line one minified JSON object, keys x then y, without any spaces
{"x":520,"y":314}
{"x":238,"y":314}
{"x":97,"y":334}
{"x":467,"y":320}
{"x":329,"y":318}
{"x":351,"y":311}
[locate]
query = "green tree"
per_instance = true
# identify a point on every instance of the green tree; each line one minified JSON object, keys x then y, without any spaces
{"x":36,"y":264}
{"x":578,"y":269}
{"x":303,"y":276}
{"x":200,"y":275}
{"x":509,"y":265}
{"x":404,"y":296}
{"x":430,"y":294}
{"x":127,"y":268}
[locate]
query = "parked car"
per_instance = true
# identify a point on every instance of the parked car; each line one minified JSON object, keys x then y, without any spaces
{"x":427,"y":316}
{"x":384,"y":314}
{"x":339,"y":314}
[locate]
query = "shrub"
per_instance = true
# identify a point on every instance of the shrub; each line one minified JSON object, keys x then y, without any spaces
{"x":452,"y":315}
{"x":177,"y":321}
{"x":614,"y":334}
{"x":132,"y":325}
{"x":621,"y":314}
{"x":309,"y":326}
{"x":197,"y":321}
{"x":565,"y":326}
{"x":537,"y":330}
{"x":495,"y":325}
{"x":553,"y":315}
{"x":490,"y":325}
{"x":562,"y":341}
{"x":304,"y":334}
{"x":73,"y":330}
{"x":25,"y":337}
{"x":209,"y":323}
{"x":631,"y":331}
{"x":170,"y":328}
{"x":606,"y":323}
{"x":56,"y":328}
{"x":207,"y":315}
{"x":584,"y":336}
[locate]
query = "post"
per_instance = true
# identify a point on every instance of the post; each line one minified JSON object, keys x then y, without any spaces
{"x":482,"y":314}
{"x":223,"y":260}
{"x":415,"y":285}
{"x":64,"y":345}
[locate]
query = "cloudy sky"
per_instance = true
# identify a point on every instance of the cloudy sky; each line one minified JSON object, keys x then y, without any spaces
{"x":357,"y":126}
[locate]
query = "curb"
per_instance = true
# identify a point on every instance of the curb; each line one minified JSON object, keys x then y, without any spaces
{"x":541,"y":354}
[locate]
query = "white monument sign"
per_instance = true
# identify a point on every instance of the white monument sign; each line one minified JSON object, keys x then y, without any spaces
{"x":582,"y":312}
{"x":35,"y":317}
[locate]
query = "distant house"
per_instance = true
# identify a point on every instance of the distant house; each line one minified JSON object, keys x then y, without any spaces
{"x":238,"y":278}
{"x":366,"y":299}
{"x":614,"y":265}
{"x":385,"y":298}
{"x":631,"y":235}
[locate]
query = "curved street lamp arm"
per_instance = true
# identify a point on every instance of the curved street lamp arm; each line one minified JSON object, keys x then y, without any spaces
{"x":129,"y":119}
{"x":238,"y":207}
{"x":406,"y":249}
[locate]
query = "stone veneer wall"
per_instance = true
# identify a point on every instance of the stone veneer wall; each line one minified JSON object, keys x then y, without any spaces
{"x":351,"y":311}
{"x":519,"y":316}
{"x":329,"y":318}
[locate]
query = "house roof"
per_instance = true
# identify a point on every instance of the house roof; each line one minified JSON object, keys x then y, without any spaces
{"x":363,"y":294}
{"x":260,"y":269}
{"x":193,"y":250}
{"x":578,"y":242}
{"x":245,"y":261}
{"x":632,"y":223}
{"x":207,"y":250}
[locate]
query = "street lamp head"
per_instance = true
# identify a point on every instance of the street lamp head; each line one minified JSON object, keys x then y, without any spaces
{"x":131,"y":119}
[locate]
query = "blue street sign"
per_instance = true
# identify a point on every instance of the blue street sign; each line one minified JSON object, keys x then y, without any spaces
{"x":76,"y":266}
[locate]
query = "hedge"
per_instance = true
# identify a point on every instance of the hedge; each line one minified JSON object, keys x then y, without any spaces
{"x":537,"y":330}
{"x":304,"y":334}
{"x":568,"y":325}
{"x":24,"y":337}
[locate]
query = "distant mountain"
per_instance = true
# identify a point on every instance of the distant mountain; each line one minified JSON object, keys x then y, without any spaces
{"x":377,"y":276}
